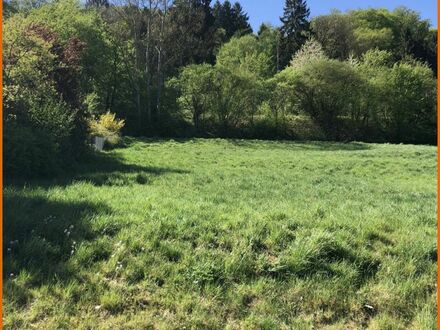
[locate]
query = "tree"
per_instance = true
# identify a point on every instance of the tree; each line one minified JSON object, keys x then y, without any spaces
{"x":294,"y":30}
{"x":245,"y":54}
{"x":413,"y":37}
{"x":191,"y":36}
{"x":431,"y":50}
{"x":310,"y":52}
{"x":335,"y":33}
{"x":403,"y":102}
{"x":229,"y":93}
{"x":410,"y":33}
{"x":195,"y":86}
{"x":139,"y":29}
{"x":41,"y":99}
{"x":269,"y":39}
{"x":231,"y":19}
{"x":245,"y":65}
{"x":326,"y":90}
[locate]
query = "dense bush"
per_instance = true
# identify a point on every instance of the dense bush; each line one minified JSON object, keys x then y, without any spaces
{"x":40,"y":99}
{"x":326,"y":90}
{"x":108,"y":127}
{"x":227,"y":95}
{"x":404,"y":109}
{"x":49,"y":66}
{"x":28,"y":152}
{"x":195,"y":84}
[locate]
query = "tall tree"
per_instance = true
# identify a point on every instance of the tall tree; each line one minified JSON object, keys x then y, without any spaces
{"x":241,"y":20}
{"x":269,"y":39}
{"x":335,"y":32}
{"x":191,"y":33}
{"x":231,"y":18}
{"x":295,"y":29}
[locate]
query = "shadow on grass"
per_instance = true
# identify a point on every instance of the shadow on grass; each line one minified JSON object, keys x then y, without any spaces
{"x":302,"y":145}
{"x":40,"y":235}
{"x":100,"y":169}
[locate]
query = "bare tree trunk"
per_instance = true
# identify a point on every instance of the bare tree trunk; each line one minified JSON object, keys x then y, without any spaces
{"x":137,"y":65}
{"x":110,"y":103}
{"x":147,"y":61}
{"x":159,"y":61}
{"x":159,"y":82}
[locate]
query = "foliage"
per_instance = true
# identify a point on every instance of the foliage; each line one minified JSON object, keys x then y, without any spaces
{"x":311,"y":51}
{"x":73,"y":24}
{"x":187,"y":67}
{"x":401,"y":32}
{"x":192,"y":32}
{"x":335,"y":33}
{"x":38,"y":71}
{"x":107,"y":126}
{"x":245,"y":54}
{"x":29,"y":152}
{"x":405,"y":107}
{"x":324,"y":89}
{"x":269,"y":40}
{"x":295,"y":28}
{"x":229,"y":93}
{"x":376,"y":58}
{"x":231,"y":19}
{"x":195,"y":84}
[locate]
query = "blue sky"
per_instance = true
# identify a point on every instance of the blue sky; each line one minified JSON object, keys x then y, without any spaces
{"x":261,"y":11}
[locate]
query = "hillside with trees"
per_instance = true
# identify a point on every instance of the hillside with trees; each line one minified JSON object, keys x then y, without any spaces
{"x":195,"y":68}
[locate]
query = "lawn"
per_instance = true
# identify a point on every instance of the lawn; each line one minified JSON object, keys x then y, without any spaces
{"x":214,"y":234}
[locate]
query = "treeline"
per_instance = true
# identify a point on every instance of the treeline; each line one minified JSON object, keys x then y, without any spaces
{"x":195,"y":68}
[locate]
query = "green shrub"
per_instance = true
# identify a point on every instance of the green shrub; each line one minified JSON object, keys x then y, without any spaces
{"x":108,"y":127}
{"x":44,"y":123}
{"x":28,"y":152}
{"x":323,"y":89}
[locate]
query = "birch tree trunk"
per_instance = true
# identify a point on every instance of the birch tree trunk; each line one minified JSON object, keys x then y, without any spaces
{"x":160,"y":60}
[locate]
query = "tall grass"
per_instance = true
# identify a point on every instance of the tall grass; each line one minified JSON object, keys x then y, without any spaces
{"x":213,"y":234}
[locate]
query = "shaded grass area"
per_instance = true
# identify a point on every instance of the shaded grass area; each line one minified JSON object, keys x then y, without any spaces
{"x":213,"y":234}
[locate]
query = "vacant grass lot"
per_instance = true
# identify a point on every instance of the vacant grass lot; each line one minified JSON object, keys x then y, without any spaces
{"x":213,"y":234}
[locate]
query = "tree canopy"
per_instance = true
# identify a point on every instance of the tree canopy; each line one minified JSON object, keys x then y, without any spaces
{"x":193,"y":67}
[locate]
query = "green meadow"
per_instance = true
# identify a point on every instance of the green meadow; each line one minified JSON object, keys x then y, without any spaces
{"x":226,"y":234}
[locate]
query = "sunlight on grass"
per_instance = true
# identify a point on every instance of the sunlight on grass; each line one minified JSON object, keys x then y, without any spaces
{"x":227,"y":233}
